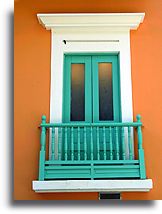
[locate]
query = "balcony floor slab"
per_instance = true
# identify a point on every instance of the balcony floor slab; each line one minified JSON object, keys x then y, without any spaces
{"x":117,"y":186}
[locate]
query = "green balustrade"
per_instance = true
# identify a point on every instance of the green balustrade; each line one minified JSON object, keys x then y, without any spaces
{"x":91,"y":150}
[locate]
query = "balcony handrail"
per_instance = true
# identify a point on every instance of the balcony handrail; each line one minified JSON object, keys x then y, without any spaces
{"x":83,"y":124}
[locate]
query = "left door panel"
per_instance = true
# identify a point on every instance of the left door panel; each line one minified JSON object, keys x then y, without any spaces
{"x":77,"y":96}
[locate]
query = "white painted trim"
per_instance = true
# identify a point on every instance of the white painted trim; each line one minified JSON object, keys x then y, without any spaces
{"x":93,"y":186}
{"x":90,"y":21}
{"x":58,"y":51}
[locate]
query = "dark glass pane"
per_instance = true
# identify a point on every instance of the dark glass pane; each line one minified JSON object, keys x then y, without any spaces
{"x":77,"y":92}
{"x":105,"y":91}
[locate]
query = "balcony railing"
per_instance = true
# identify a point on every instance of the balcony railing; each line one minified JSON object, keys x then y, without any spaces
{"x":91,"y":151}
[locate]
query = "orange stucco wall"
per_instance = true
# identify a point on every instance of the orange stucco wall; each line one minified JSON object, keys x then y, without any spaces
{"x":32,"y":87}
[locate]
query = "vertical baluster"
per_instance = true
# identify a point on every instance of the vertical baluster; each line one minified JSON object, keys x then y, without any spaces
{"x":43,"y":150}
{"x":140,"y":150}
{"x":117,"y":143}
{"x":91,"y":133}
{"x":72,"y":143}
{"x":59,"y":142}
{"x":111,"y":147}
{"x":66,"y":143}
{"x":139,"y":132}
{"x":85,"y":144}
{"x":78,"y":143}
{"x":130,"y":144}
{"x":104,"y":143}
{"x":123,"y":143}
{"x":53,"y":144}
{"x":98,"y":145}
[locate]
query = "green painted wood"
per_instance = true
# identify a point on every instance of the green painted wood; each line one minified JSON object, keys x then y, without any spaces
{"x":91,"y":130}
{"x":98,"y":145}
{"x":123,"y":143}
{"x":91,"y":54}
{"x":142,"y":164}
{"x":120,"y":162}
{"x":115,"y":84}
{"x":141,"y":151}
{"x":59,"y":142}
{"x":91,"y":172}
{"x":93,"y":167}
{"x":111,"y":146}
{"x":72,"y":143}
{"x":91,"y":91}
{"x":66,"y":89}
{"x":67,"y":86}
{"x":68,"y":175}
{"x":42,"y":150}
{"x":130,"y":144}
{"x":69,"y":60}
{"x":53,"y":144}
{"x":41,"y":165}
{"x":85,"y":144}
{"x":66,"y":156}
{"x":85,"y":124}
{"x":78,"y":143}
{"x":139,"y":132}
{"x":96,"y":167}
{"x":117,"y":143}
{"x":104,"y":142}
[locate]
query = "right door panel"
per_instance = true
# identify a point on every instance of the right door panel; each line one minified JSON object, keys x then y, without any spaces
{"x":106,"y":88}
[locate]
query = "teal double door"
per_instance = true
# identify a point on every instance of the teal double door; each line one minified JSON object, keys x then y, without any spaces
{"x":91,"y":90}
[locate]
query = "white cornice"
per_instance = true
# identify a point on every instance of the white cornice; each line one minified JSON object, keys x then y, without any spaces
{"x":90,"y":21}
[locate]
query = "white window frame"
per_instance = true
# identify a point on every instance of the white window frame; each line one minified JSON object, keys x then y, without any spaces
{"x":119,"y":43}
{"x":88,"y":33}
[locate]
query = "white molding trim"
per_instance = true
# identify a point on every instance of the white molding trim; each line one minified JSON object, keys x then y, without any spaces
{"x":59,"y":49}
{"x":90,"y":21}
{"x":93,"y":186}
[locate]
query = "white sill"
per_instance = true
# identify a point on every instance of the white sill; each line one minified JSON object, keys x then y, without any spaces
{"x":93,"y":186}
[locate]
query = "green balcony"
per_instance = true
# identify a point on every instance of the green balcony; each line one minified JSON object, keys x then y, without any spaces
{"x":91,"y":151}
